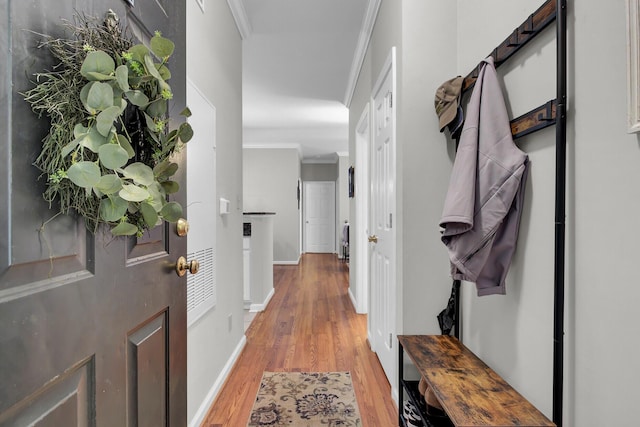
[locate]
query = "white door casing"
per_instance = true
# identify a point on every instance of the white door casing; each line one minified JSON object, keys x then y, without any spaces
{"x":382,"y":222}
{"x":362,"y":194}
{"x":202,"y":202}
{"x":320,"y":216}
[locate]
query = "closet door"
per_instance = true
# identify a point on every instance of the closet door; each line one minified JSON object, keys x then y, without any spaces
{"x":382,"y":224}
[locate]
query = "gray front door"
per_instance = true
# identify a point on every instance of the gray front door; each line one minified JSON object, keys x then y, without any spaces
{"x":92,"y":328}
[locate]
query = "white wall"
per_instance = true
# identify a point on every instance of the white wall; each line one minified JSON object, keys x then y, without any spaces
{"x":216,"y":70}
{"x":270,"y":179}
{"x":513,"y":333}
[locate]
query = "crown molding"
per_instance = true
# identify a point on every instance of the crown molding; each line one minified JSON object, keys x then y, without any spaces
{"x":240,"y":16}
{"x":361,"y":48}
{"x":272,"y":146}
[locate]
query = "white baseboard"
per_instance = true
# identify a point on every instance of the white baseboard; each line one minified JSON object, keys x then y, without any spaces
{"x":260,"y":307}
{"x":353,"y":301}
{"x":198,"y":418}
{"x":296,"y":262}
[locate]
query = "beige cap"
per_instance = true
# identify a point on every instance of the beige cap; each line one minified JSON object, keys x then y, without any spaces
{"x":446,"y":100}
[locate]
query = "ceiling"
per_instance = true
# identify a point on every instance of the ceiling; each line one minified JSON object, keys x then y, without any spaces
{"x":298,"y":72}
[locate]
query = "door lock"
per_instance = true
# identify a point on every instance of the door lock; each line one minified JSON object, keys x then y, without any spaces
{"x":182,"y":227}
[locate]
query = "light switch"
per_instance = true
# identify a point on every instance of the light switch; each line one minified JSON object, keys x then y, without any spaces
{"x":224,"y":206}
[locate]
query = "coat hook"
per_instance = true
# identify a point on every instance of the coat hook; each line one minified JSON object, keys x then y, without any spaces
{"x":547,"y":114}
{"x":528,"y":25}
{"x":513,"y":39}
{"x":495,"y":56}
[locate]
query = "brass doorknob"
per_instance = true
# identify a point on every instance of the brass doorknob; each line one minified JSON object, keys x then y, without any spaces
{"x":373,"y":239}
{"x":182,"y":266}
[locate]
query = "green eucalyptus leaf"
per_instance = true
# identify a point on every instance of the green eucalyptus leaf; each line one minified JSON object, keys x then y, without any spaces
{"x":93,"y":76}
{"x":92,"y":139}
{"x":165,"y":169}
{"x":162,"y":85}
{"x":185,"y":132}
{"x":137,"y":98}
{"x":109,"y":184}
{"x":161,"y":47}
{"x":117,"y":94}
{"x":97,"y":63}
{"x":100,"y":96}
{"x":84,"y":95}
{"x":140,"y":173}
{"x":157,"y":196}
{"x":170,"y":187}
{"x":186,"y":112}
{"x":138,"y":52}
{"x":84,"y":174}
{"x":133,"y":193}
{"x":164,"y":72}
{"x":105,"y":119}
{"x":122,"y":76}
{"x":150,"y":66}
{"x":149,"y":121}
{"x":158,"y":108}
{"x":124,"y":229}
{"x":69,"y":148}
{"x":149,"y":214}
{"x":171,"y":212}
{"x":112,"y":156}
{"x":124,"y":143}
{"x":113,"y":208}
{"x":80,"y":130}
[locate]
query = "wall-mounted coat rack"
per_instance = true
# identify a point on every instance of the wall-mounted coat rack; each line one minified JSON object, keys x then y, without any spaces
{"x":551,"y":113}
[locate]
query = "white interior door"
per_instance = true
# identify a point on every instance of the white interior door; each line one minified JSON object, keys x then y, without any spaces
{"x":382,"y":223}
{"x":320,"y":216}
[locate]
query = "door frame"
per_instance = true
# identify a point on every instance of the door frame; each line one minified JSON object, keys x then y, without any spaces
{"x":362,"y":195}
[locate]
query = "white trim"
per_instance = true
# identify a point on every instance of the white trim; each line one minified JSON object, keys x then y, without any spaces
{"x":201,"y":413}
{"x":287,"y":262}
{"x":362,"y":195}
{"x":633,"y":65}
{"x":361,"y":48}
{"x":353,"y":300}
{"x":240,"y":16}
{"x":268,"y":146}
{"x":260,"y":307}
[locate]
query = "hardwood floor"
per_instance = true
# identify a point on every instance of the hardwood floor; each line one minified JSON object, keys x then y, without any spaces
{"x":309,"y":325}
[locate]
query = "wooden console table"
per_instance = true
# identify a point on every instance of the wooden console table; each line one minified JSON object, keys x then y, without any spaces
{"x":470,"y":392}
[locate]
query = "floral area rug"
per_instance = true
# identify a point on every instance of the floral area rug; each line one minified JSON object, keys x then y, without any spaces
{"x":305,"y":399}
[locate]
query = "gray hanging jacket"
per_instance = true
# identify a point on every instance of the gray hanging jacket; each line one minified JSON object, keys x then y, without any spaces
{"x":482,"y":210}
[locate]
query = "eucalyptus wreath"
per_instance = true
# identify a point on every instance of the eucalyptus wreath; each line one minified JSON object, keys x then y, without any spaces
{"x":108,"y":153}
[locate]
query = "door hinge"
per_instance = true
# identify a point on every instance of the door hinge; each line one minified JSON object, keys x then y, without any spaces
{"x":390,"y":220}
{"x":390,"y":340}
{"x":391,"y":100}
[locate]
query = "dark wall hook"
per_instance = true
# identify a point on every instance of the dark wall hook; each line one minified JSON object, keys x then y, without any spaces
{"x":514,"y":39}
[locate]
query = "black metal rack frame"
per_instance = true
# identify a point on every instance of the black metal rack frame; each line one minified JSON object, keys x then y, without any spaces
{"x":551,"y":113}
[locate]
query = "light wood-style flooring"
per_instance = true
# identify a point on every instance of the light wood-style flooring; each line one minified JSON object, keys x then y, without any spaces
{"x":309,"y":325}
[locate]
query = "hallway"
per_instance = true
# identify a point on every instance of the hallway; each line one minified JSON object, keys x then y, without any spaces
{"x":309,"y":325}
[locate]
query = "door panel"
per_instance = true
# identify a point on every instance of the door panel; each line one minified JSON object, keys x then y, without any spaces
{"x":147,"y":382}
{"x":92,"y":328}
